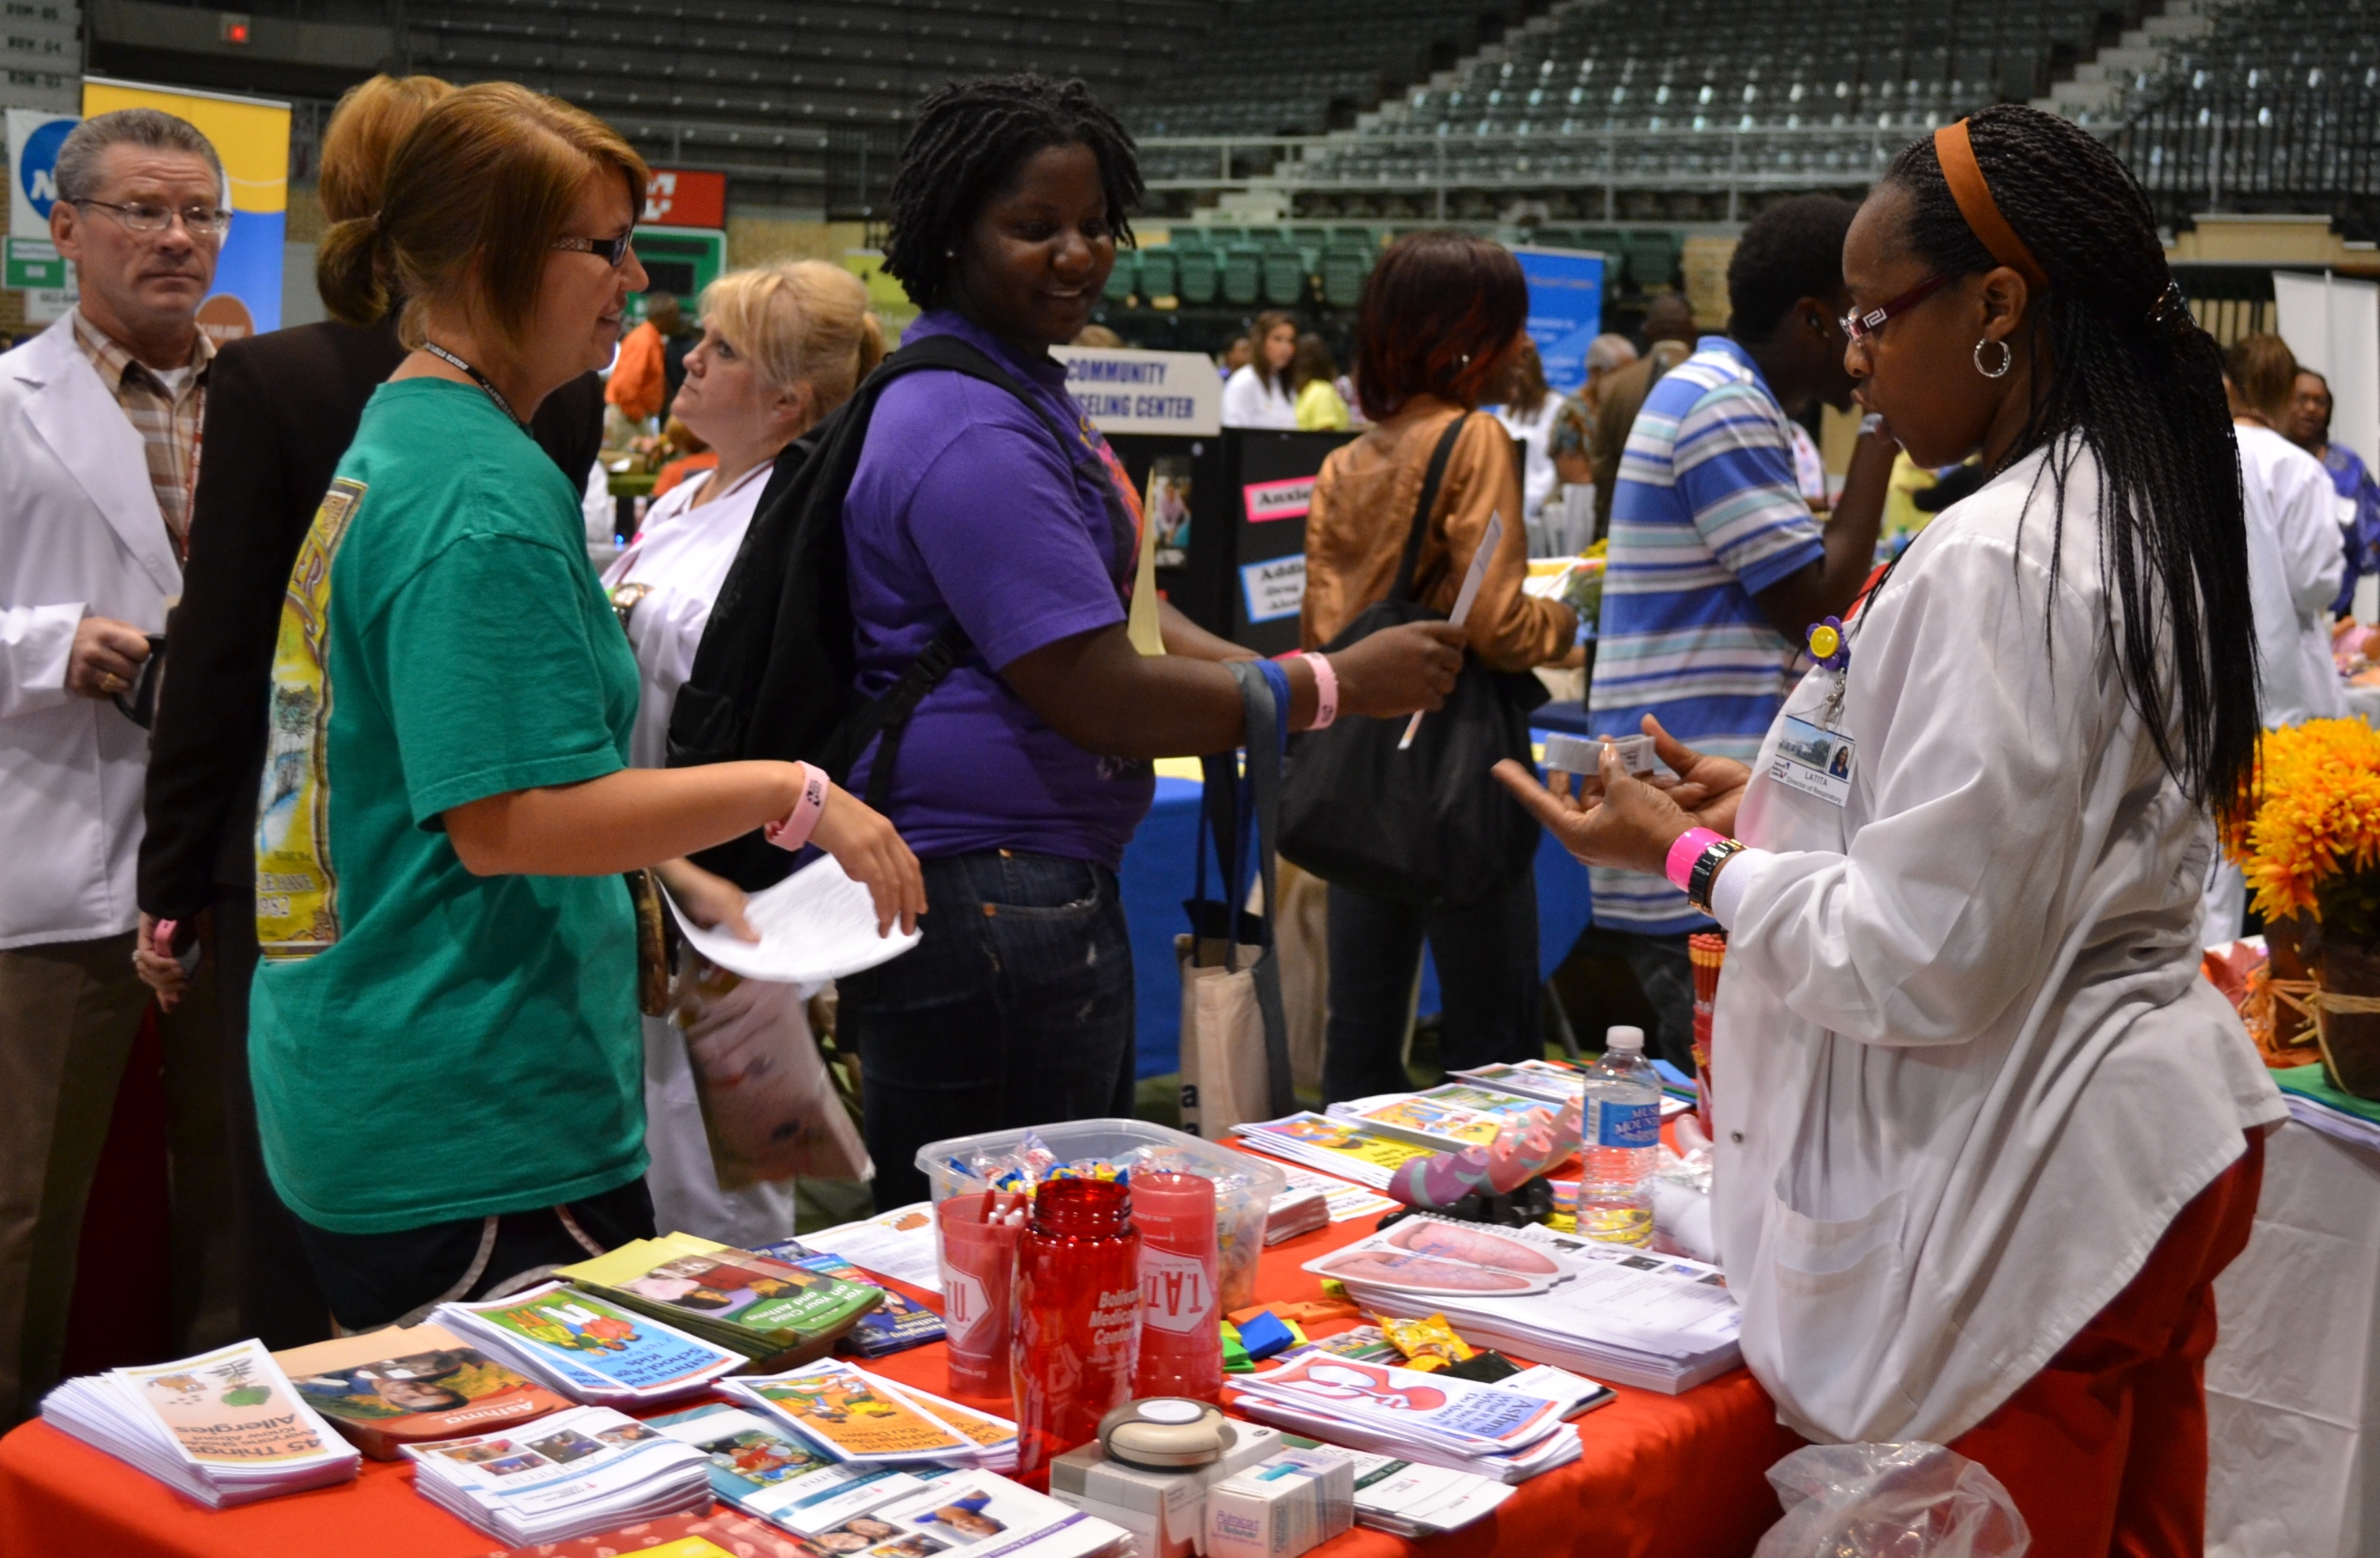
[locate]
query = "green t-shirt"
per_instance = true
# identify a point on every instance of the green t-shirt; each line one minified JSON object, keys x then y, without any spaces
{"x":428,"y":1044}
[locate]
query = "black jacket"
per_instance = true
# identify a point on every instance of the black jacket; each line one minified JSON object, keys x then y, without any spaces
{"x":281,"y":411}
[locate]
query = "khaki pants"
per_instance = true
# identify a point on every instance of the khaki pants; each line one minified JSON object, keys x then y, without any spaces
{"x":69,"y":1013}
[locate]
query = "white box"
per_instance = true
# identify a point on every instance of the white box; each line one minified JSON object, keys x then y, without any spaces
{"x":1291,"y":1502}
{"x":1166,"y":1510}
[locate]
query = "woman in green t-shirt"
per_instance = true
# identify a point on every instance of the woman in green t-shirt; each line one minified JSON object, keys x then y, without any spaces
{"x":446,"y":1046}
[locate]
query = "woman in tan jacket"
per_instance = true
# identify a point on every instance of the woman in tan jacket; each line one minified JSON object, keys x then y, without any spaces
{"x":1440,"y":321}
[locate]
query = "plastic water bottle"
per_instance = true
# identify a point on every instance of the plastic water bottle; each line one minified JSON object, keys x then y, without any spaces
{"x":1619,"y":1141}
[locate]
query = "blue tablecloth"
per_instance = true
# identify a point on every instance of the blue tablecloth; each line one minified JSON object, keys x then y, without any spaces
{"x":1158,"y":876}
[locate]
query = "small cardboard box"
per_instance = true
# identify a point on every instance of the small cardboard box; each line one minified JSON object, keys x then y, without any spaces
{"x":1296,"y":1500}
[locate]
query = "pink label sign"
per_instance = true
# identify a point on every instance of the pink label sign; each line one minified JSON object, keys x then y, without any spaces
{"x":1278,"y":500}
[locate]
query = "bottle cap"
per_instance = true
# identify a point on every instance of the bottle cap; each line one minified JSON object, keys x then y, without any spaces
{"x":1623,"y":1038}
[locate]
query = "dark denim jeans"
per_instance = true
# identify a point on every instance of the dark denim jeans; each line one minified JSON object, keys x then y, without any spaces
{"x":1487,"y":958}
{"x":1016,"y":1009}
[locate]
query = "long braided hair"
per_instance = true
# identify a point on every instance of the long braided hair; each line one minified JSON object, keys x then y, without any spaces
{"x":966,"y":144}
{"x":2122,"y":369}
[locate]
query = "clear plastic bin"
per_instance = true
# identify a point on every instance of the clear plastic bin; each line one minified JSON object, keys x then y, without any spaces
{"x":1243,"y":1191}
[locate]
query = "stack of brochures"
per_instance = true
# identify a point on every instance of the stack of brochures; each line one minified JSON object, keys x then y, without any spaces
{"x":585,"y":1469}
{"x":1431,"y":1417}
{"x":1660,"y":1323}
{"x":1446,"y":1119}
{"x":1544,"y":1080}
{"x":864,"y":1418}
{"x":1410,"y":1500}
{"x":1313,"y":1201}
{"x":570,"y":1340}
{"x":878,"y":1511}
{"x":773,"y":1313}
{"x":1336,"y":1146}
{"x":901,"y":1244}
{"x":225,"y":1427}
{"x":387,"y":1389}
{"x":895,"y":1325}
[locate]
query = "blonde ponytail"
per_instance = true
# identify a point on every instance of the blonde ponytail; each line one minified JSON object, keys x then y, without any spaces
{"x":803,"y":323}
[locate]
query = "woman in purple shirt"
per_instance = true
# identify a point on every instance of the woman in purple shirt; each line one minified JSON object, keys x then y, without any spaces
{"x":1022,"y":775}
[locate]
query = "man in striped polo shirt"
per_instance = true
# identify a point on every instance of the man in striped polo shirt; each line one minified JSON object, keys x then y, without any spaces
{"x":1717,"y":565}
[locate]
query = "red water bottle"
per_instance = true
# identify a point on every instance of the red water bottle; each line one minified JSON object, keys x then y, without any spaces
{"x":1078,"y":1317}
{"x":1181,"y":1342}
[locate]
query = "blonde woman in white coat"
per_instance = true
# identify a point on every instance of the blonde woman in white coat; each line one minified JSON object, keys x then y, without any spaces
{"x":780,"y":347}
{"x":1984,"y":1135}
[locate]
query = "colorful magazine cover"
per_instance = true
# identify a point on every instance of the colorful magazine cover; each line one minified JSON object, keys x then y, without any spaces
{"x":1419,"y":1119}
{"x":1486,"y":1100}
{"x":892,"y":1326}
{"x":847,"y":1412}
{"x":714,"y":1286}
{"x":763,"y":1468}
{"x":389,"y":1388}
{"x":232,"y":1408}
{"x":1533,"y":1079}
{"x":1341,"y":1139}
{"x":579,"y":1334}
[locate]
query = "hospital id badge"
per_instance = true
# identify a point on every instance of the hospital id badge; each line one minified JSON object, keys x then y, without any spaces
{"x":1813,"y":761}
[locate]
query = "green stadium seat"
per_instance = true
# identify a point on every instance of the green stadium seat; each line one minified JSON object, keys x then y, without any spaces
{"x":1243,"y":275}
{"x":1345,"y":269}
{"x":1124,"y":278}
{"x":1197,"y":275}
{"x":1157,"y":274}
{"x":1285,"y":273}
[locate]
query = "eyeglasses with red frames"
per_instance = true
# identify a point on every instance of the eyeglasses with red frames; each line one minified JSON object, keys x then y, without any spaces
{"x":1863,"y":326}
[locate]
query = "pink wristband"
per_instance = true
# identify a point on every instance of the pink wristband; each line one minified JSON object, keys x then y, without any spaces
{"x":1325,"y":690}
{"x":794,"y":832}
{"x":1679,"y":867}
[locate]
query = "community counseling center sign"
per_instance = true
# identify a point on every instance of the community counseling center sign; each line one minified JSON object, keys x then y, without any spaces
{"x":1124,"y":390}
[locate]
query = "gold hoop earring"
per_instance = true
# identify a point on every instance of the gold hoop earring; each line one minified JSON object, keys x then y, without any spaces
{"x":2007,"y":357}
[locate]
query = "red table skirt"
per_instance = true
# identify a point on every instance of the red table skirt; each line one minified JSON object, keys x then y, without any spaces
{"x":1661,"y":1475}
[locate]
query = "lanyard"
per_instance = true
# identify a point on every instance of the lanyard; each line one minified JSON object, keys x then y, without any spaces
{"x":451,"y":360}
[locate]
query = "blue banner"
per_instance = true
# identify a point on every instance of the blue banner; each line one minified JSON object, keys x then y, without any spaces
{"x":1565,"y":310}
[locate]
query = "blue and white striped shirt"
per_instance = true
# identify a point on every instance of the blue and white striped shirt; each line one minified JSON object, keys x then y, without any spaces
{"x":1708,"y":512}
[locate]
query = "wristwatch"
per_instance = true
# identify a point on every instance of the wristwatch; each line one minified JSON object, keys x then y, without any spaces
{"x":1706,"y":872}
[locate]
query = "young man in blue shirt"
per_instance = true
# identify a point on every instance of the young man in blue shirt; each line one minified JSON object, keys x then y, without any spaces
{"x":1717,"y":565}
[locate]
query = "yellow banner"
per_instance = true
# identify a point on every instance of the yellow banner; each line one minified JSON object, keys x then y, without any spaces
{"x":251,"y":134}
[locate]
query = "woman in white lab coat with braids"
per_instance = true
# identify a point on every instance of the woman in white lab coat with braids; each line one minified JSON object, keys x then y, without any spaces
{"x":1984,"y":1136}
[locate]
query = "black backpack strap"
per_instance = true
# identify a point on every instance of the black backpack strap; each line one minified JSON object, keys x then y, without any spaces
{"x":1403,"y":588}
{"x":1263,"y":759}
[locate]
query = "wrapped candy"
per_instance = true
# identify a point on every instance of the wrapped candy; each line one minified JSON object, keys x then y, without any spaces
{"x":1427,"y":1344}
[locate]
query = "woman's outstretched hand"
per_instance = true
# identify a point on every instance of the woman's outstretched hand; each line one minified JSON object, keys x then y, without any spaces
{"x":1398,"y":671}
{"x":870,"y":852}
{"x":711,"y":902}
{"x":1710,"y":787}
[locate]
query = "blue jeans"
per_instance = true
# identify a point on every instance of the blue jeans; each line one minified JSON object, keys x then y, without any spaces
{"x":1487,"y":957}
{"x":1016,"y":1009}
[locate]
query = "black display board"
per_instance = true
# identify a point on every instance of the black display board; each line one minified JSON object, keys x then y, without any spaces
{"x":1238,"y":576}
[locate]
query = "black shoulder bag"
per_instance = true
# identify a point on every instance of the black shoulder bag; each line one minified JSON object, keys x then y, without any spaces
{"x":1431,"y":824}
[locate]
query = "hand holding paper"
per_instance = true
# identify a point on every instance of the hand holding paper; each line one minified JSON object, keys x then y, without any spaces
{"x":1462,"y":600}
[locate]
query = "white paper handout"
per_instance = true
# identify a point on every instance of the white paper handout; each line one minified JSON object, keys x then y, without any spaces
{"x":816,"y":924}
{"x":899,"y":1244}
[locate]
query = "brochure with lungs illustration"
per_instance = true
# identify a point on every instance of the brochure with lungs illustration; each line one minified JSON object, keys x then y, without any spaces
{"x":1612,"y":1311}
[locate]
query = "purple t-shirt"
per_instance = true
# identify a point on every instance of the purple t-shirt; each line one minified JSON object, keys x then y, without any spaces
{"x":964,"y":506}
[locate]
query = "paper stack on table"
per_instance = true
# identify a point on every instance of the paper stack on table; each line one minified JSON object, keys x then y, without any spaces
{"x":1659,"y":1323}
{"x":589,"y":1350}
{"x":775,"y":1314}
{"x":1335,"y":1146}
{"x":410,"y":1385}
{"x":1314,"y":1200}
{"x":224,"y":1428}
{"x":578,"y":1471}
{"x":1531,"y":1079}
{"x":1410,"y":1500}
{"x":1415,"y":1415}
{"x":857,"y":1417}
{"x":899,"y":1244}
{"x":895,"y":1325}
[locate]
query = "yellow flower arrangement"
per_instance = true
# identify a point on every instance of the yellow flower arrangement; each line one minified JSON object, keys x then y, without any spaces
{"x":2308,"y":836}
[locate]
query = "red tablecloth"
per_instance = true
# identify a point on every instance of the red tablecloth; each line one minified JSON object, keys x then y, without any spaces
{"x":1661,"y":1475}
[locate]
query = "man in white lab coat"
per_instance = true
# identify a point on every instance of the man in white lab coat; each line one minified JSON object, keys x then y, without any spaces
{"x":99,"y":438}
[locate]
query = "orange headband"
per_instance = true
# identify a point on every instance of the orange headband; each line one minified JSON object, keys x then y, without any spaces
{"x":1974,"y":197}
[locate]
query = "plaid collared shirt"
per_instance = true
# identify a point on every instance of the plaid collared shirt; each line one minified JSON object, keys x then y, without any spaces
{"x":168,"y":423}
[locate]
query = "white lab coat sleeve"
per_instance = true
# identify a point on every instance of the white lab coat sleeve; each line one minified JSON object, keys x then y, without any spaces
{"x":1243,"y":399}
{"x":1976,"y":822}
{"x":2311,"y":546}
{"x":35,"y":643}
